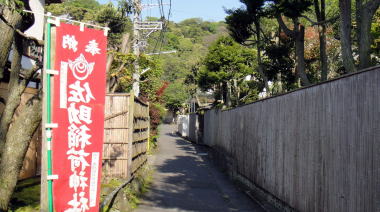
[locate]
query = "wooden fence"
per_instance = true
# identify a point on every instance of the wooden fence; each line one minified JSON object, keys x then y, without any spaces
{"x":315,"y":149}
{"x":126,"y":134}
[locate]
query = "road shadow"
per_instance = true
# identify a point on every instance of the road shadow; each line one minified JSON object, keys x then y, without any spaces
{"x":186,"y":182}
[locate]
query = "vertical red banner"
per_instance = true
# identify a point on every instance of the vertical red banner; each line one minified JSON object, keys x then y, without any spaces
{"x":78,"y":109}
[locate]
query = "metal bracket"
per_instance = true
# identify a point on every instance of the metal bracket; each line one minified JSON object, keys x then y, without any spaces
{"x":52,"y":72}
{"x":81,"y":27}
{"x":56,"y":21}
{"x":149,"y":25}
{"x":106,"y":31}
{"x":51,"y":125}
{"x":52,"y":177}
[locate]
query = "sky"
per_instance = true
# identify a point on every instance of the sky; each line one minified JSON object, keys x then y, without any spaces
{"x":208,"y":10}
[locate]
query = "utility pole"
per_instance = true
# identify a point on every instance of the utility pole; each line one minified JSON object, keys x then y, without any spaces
{"x":136,"y":47}
{"x":141,"y":31}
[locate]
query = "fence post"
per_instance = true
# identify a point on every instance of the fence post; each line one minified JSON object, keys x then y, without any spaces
{"x":130,"y":132}
{"x":148,"y":117}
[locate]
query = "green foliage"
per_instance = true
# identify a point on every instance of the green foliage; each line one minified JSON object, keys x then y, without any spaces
{"x":93,"y":12}
{"x":239,"y":24}
{"x":195,"y":28}
{"x":175,"y":95}
{"x":225,"y":60}
{"x":110,"y":16}
{"x":279,"y":64}
{"x":225,"y":69}
{"x":190,"y":39}
{"x":375,"y":32}
{"x":13,"y":4}
{"x":81,"y":10}
{"x":122,"y":69}
{"x":151,"y":81}
{"x":26,"y":196}
{"x":291,"y":8}
{"x":156,"y":112}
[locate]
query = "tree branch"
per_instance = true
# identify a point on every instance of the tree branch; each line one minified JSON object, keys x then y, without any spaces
{"x":372,"y":6}
{"x":28,"y":74}
{"x":25,"y":36}
{"x":283,"y":26}
{"x":264,"y":35}
{"x":313,"y":23}
{"x":37,"y":41}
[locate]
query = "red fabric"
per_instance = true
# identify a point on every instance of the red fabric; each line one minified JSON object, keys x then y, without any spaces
{"x":70,"y":155}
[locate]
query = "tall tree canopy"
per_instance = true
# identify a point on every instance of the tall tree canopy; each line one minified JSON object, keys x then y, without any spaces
{"x":226,"y":66}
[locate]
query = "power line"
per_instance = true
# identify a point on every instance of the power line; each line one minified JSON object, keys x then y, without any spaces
{"x":141,"y":31}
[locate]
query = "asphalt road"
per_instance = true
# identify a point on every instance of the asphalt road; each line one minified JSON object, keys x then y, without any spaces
{"x":185,"y":180}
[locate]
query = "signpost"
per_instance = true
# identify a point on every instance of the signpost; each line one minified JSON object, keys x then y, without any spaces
{"x":77,"y":117}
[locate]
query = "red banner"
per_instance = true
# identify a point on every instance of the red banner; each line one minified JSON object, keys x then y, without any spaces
{"x":78,"y":109}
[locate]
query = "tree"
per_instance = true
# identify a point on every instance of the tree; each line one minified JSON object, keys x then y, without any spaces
{"x":226,"y":66}
{"x":11,"y":20}
{"x":294,"y":10}
{"x":279,"y":63}
{"x":240,"y":21}
{"x":345,"y":35}
{"x":83,"y":10}
{"x":15,"y":134}
{"x":240,"y":25}
{"x":190,"y":38}
{"x":320,"y":12}
{"x":365,"y":11}
{"x":364,"y":14}
{"x":175,"y":96}
{"x":375,"y":32}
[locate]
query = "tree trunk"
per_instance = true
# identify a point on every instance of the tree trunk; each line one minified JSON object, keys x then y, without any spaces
{"x":110,"y":58}
{"x":16,"y":146}
{"x":320,"y":12}
{"x":345,"y":35}
{"x":323,"y":53}
{"x":14,"y":92}
{"x":229,"y":93}
{"x":7,"y":33}
{"x":364,"y":16}
{"x":16,"y":87}
{"x":236,"y":91}
{"x":300,"y":53}
{"x":224,"y":92}
{"x":298,"y":34}
{"x":259,"y":61}
{"x":124,"y":48}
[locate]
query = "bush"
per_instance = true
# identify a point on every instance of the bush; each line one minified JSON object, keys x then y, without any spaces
{"x":156,"y":113}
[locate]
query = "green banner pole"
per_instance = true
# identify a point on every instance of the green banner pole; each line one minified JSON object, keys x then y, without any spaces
{"x":48,"y":115}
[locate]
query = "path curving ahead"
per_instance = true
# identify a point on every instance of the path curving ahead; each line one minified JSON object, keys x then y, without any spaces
{"x":184,"y":180}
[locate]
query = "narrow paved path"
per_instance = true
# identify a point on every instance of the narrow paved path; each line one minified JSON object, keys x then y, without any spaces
{"x":184,"y":180}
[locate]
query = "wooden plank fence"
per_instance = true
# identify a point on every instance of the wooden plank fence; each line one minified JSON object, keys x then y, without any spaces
{"x":316,"y":149}
{"x":140,"y":134}
{"x":126,"y":134}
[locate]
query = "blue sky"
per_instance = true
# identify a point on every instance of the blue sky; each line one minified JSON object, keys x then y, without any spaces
{"x":210,"y":10}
